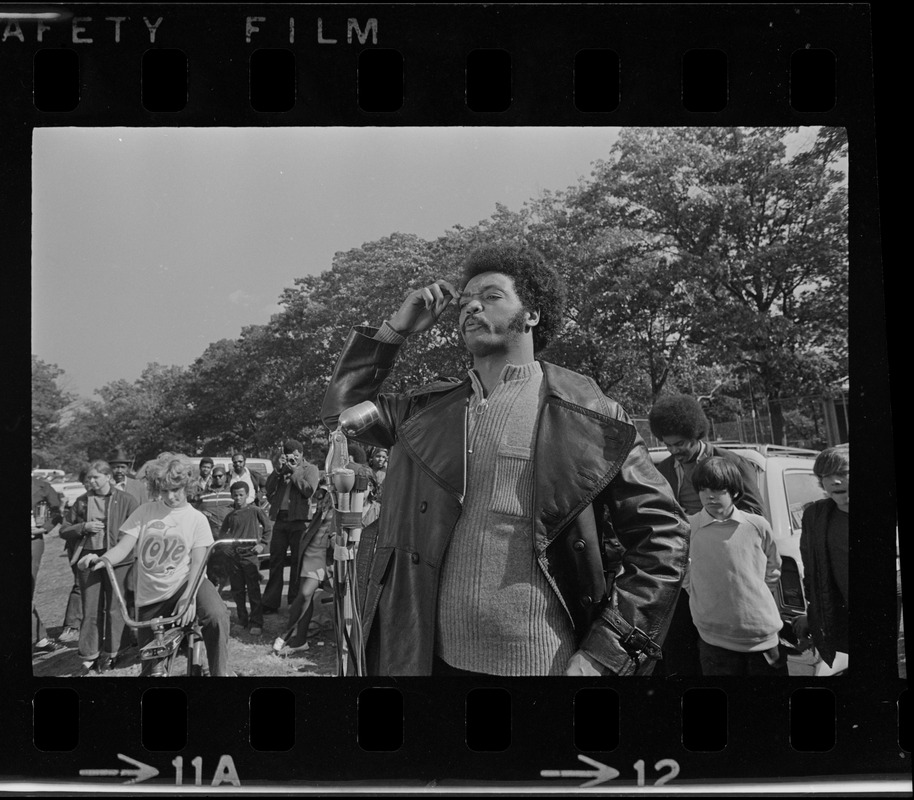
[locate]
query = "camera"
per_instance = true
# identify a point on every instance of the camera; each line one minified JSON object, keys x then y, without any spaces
{"x":288,"y":461}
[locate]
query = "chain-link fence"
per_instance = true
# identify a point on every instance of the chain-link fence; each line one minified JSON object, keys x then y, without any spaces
{"x":814,"y":422}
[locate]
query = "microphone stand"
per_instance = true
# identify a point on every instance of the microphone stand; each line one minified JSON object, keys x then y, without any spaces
{"x":348,"y":493}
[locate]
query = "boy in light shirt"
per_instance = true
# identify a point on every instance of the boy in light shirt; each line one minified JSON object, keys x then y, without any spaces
{"x":734,"y":568}
{"x":171,"y":537}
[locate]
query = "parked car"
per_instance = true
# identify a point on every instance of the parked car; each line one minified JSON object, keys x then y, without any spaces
{"x":786,"y":485}
{"x":68,"y":491}
{"x":48,"y":474}
{"x":261,"y":465}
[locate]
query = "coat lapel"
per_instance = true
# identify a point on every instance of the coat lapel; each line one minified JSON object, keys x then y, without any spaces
{"x":434,"y":437}
{"x":579,"y":451}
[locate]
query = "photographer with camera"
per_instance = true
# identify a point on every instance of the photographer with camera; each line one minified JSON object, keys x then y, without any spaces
{"x":289,"y":489}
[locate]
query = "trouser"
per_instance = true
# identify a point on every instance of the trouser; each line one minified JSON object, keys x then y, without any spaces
{"x":680,"y":647}
{"x":38,"y":630}
{"x":286,"y":535}
{"x":244,"y":580}
{"x":720,"y":661}
{"x":212,"y":615}
{"x":102,"y":623}
{"x":72,"y":617}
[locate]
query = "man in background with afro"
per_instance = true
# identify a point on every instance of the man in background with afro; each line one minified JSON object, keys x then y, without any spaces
{"x":678,"y":421}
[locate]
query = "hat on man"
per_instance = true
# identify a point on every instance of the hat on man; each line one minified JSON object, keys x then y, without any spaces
{"x":219,"y":470}
{"x":291,"y":446}
{"x":119,"y":456}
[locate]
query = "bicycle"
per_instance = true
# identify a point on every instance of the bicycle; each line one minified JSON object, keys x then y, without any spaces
{"x":169,"y":638}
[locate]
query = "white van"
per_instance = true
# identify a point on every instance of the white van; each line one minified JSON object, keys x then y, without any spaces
{"x":262,"y":465}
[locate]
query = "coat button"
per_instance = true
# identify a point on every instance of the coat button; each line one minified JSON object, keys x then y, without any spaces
{"x":422,"y":507}
{"x":579,"y":545}
{"x":586,"y":600}
{"x":414,"y":557}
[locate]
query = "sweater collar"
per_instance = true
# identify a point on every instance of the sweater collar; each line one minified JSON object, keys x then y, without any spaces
{"x":705,"y":519}
{"x":509,"y":373}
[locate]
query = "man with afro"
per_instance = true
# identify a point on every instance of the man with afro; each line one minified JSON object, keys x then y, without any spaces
{"x":524,"y":529}
{"x":678,"y":421}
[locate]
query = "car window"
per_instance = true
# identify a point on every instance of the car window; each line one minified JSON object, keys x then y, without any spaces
{"x":801,"y":488}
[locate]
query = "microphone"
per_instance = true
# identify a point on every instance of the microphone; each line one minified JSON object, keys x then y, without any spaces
{"x":359,"y":418}
{"x":343,"y":481}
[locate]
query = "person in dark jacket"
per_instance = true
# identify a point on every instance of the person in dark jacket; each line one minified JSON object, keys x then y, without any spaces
{"x":94,"y":522}
{"x":73,"y":614}
{"x":524,"y":529}
{"x":248,"y":522}
{"x":289,"y":489}
{"x":678,"y":421}
{"x":824,"y":550}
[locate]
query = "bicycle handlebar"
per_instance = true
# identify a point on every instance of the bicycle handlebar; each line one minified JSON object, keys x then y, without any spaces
{"x":157,"y":621}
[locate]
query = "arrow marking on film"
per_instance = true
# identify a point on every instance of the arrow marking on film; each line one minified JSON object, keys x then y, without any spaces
{"x":601,"y":774}
{"x":143,"y":772}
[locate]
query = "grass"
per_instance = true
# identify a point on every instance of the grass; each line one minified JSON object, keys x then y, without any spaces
{"x":248,"y":655}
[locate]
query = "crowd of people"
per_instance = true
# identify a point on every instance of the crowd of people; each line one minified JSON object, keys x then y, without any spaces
{"x":521,"y":529}
{"x":156,"y":534}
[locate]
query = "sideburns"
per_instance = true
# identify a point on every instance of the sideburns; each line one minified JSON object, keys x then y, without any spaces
{"x":519,"y":322}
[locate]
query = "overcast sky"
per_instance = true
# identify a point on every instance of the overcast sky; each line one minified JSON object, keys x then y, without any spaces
{"x":150,"y":243}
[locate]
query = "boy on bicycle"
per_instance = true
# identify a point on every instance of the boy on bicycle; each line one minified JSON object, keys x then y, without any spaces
{"x":171,"y":539}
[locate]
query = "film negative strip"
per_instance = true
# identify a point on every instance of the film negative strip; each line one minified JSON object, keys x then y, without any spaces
{"x":109,"y":106}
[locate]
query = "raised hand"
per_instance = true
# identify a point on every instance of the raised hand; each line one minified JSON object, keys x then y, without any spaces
{"x":422,"y":307}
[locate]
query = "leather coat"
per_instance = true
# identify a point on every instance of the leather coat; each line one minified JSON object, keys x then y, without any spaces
{"x":608,"y":534}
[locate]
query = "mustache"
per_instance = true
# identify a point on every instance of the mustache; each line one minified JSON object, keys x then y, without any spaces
{"x":475,"y":319}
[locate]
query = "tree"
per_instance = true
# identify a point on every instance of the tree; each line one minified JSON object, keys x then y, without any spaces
{"x":145,"y":417}
{"x":48,"y":400}
{"x":222,"y":411}
{"x":758,"y":240}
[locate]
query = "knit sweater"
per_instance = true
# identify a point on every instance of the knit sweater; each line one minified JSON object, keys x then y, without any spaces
{"x":733,"y":568}
{"x":497,"y":613}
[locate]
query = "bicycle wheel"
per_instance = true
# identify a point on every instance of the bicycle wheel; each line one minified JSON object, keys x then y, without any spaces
{"x":197,"y":664}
